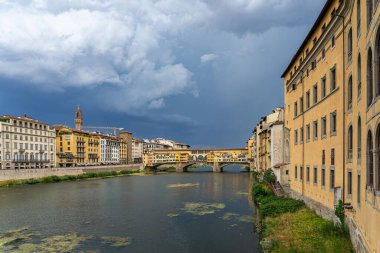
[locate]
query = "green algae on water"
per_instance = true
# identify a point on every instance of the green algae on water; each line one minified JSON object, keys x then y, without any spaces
{"x":172,"y":215}
{"x":116,"y":241}
{"x":182,"y":185}
{"x":237,"y":217}
{"x":20,"y":240}
{"x":200,"y":208}
{"x":242,"y":193}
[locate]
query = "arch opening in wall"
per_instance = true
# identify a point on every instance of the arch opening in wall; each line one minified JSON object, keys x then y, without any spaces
{"x":369,"y":78}
{"x":369,"y":160}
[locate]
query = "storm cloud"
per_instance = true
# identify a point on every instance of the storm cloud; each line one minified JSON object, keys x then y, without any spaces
{"x":155,"y":60}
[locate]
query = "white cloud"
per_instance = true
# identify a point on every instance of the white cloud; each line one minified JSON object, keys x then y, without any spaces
{"x":86,"y":43}
{"x":208,"y":57}
{"x":126,"y":50}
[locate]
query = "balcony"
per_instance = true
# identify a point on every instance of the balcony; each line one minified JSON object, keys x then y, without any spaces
{"x":31,"y":161}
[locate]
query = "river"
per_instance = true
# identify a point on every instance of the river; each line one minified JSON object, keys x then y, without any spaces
{"x":199,"y":211}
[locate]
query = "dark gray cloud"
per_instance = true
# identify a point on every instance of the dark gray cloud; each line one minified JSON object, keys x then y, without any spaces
{"x":198,"y":71}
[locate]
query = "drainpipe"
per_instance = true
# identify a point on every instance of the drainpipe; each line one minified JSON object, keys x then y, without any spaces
{"x":303,"y":136}
{"x":344,"y":109}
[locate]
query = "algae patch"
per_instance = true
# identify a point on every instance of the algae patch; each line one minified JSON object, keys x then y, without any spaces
{"x":201,"y":208}
{"x":172,"y":215}
{"x":237,"y":217}
{"x":170,"y":186}
{"x":116,"y":241}
{"x":242,"y":193}
{"x":21,"y":240}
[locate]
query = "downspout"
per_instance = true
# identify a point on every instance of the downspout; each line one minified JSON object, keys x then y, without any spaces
{"x":303,"y":136}
{"x":344,"y":110}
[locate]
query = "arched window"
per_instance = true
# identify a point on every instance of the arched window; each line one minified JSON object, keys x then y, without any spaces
{"x":349,"y":93}
{"x":349,"y":45}
{"x":377,"y":63}
{"x":378,"y":158}
{"x":359,"y":143}
{"x":369,"y":78}
{"x":369,"y":12}
{"x":359,"y":75}
{"x":358,"y":16}
{"x":369,"y":160}
{"x":349,"y":144}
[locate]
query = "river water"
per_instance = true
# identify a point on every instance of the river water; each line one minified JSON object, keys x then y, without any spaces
{"x":199,"y":211}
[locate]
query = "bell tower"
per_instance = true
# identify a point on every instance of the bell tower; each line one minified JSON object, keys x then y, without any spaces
{"x":78,"y":120}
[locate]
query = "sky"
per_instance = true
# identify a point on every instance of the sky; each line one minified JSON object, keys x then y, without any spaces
{"x":201,"y":72}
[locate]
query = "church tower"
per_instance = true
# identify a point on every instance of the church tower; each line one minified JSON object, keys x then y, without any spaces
{"x":78,"y":120}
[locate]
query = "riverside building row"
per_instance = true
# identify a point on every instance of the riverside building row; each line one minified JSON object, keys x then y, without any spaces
{"x":268,"y":147}
{"x":332,"y":110}
{"x":26,"y":143}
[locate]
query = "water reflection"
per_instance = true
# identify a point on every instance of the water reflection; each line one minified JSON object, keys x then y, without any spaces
{"x":134,"y":214}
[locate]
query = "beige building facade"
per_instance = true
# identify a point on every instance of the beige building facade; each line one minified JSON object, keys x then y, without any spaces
{"x":332,"y":108}
{"x":26,"y":143}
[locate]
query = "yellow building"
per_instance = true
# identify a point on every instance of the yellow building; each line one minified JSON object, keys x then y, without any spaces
{"x":76,"y":147}
{"x":332,"y":107}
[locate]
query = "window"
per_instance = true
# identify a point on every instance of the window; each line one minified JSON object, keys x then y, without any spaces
{"x":369,"y":78}
{"x":307,"y":174}
{"x":301,"y":104}
{"x":323,"y":125}
{"x":349,"y":94}
{"x":359,"y":143}
{"x":315,"y":94}
{"x":315,"y":130}
{"x":349,"y":144}
{"x":358,"y":17}
{"x":332,"y":178}
{"x":349,"y":45}
{"x":301,"y":135}
{"x":307,"y":99}
{"x":295,"y":172}
{"x":315,"y":175}
{"x":377,"y":64}
{"x":358,"y":188}
{"x":349,"y":182}
{"x":332,"y":157}
{"x":369,"y":12}
{"x":333,"y":123}
{"x":323,"y":177}
{"x":295,"y":136}
{"x":377,"y":165}
{"x":323,"y":157}
{"x":333,"y":41}
{"x":308,"y":132}
{"x":332,"y":79}
{"x":301,"y":172}
{"x":314,"y":64}
{"x":359,"y":75}
{"x":295,"y":109}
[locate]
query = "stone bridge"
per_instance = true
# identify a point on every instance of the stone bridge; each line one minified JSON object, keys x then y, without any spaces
{"x":183,"y":159}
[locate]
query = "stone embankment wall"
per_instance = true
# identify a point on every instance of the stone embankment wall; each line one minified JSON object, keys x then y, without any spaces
{"x":38,"y":173}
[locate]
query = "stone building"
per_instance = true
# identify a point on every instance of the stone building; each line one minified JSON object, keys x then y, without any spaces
{"x":332,"y":108}
{"x":76,"y":147}
{"x":26,"y":143}
{"x":137,"y":150}
{"x":268,"y":147}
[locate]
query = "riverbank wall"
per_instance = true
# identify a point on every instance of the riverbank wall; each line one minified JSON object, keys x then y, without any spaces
{"x":20,"y":174}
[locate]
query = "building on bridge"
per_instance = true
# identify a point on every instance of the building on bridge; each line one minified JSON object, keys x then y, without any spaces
{"x":183,"y":158}
{"x":268,"y":147}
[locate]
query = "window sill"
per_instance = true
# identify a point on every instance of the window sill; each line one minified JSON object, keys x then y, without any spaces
{"x":320,"y":101}
{"x":333,"y":134}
